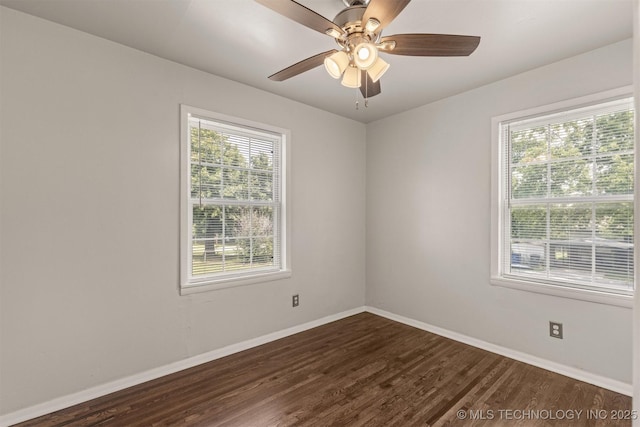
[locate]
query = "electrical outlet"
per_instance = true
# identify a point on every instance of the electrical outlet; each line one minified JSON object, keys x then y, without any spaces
{"x":555,"y":330}
{"x":295,"y":300}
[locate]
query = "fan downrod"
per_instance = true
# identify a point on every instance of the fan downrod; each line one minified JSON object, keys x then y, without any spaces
{"x":350,"y":3}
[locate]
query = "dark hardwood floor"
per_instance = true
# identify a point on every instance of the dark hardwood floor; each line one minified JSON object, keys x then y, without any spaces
{"x":364,"y":370}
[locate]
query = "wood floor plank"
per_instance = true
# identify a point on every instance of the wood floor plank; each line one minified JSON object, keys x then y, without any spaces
{"x":364,"y":370}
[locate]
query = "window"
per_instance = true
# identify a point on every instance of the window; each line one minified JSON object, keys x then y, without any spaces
{"x":234,"y":227}
{"x":565,"y":191}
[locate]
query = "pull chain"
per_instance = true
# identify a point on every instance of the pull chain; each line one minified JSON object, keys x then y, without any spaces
{"x":366,"y":94}
{"x":366,"y":90}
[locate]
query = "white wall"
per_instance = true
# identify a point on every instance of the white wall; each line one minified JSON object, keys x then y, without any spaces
{"x":89,"y":193}
{"x":428,"y":221}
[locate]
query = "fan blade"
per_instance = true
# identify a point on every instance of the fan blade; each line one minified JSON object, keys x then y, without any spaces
{"x":301,"y":67}
{"x":368,"y":88}
{"x":431,"y":44}
{"x":302,"y":15}
{"x":384,"y":11}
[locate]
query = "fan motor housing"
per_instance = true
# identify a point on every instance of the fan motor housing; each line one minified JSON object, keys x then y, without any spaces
{"x":350,"y":17}
{"x":350,"y":20}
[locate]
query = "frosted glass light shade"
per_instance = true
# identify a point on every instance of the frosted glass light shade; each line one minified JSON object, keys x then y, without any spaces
{"x":378,"y":69}
{"x":351,"y":77}
{"x":365,"y":55}
{"x":336,"y":64}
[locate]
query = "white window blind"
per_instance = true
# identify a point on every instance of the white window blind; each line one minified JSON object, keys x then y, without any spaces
{"x":568,"y":197}
{"x":235,"y":209}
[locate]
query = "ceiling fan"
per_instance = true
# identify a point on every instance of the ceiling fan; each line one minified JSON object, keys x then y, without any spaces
{"x":357,"y":30}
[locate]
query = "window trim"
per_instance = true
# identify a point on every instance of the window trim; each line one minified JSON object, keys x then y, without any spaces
{"x":497,"y":212}
{"x":187,"y":286}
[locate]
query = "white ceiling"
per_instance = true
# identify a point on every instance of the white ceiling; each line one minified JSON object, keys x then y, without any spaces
{"x":246,"y":42}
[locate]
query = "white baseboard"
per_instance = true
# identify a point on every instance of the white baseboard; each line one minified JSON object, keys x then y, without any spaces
{"x":578,"y":374}
{"x":104,"y":389}
{"x":113,"y":386}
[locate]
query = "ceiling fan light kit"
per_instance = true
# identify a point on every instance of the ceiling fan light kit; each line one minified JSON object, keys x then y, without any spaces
{"x":365,"y":57}
{"x":357,"y":29}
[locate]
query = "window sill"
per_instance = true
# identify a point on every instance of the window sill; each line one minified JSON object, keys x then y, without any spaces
{"x":230,"y":282}
{"x":600,"y":297}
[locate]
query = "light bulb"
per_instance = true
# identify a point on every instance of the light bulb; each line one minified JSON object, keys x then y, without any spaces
{"x":365,"y":55}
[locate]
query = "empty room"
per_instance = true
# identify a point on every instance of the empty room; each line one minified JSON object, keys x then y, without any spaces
{"x":319,"y":213}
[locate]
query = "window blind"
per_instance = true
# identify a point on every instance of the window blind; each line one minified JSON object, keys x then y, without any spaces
{"x":235,"y":200}
{"x":568,"y":207}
